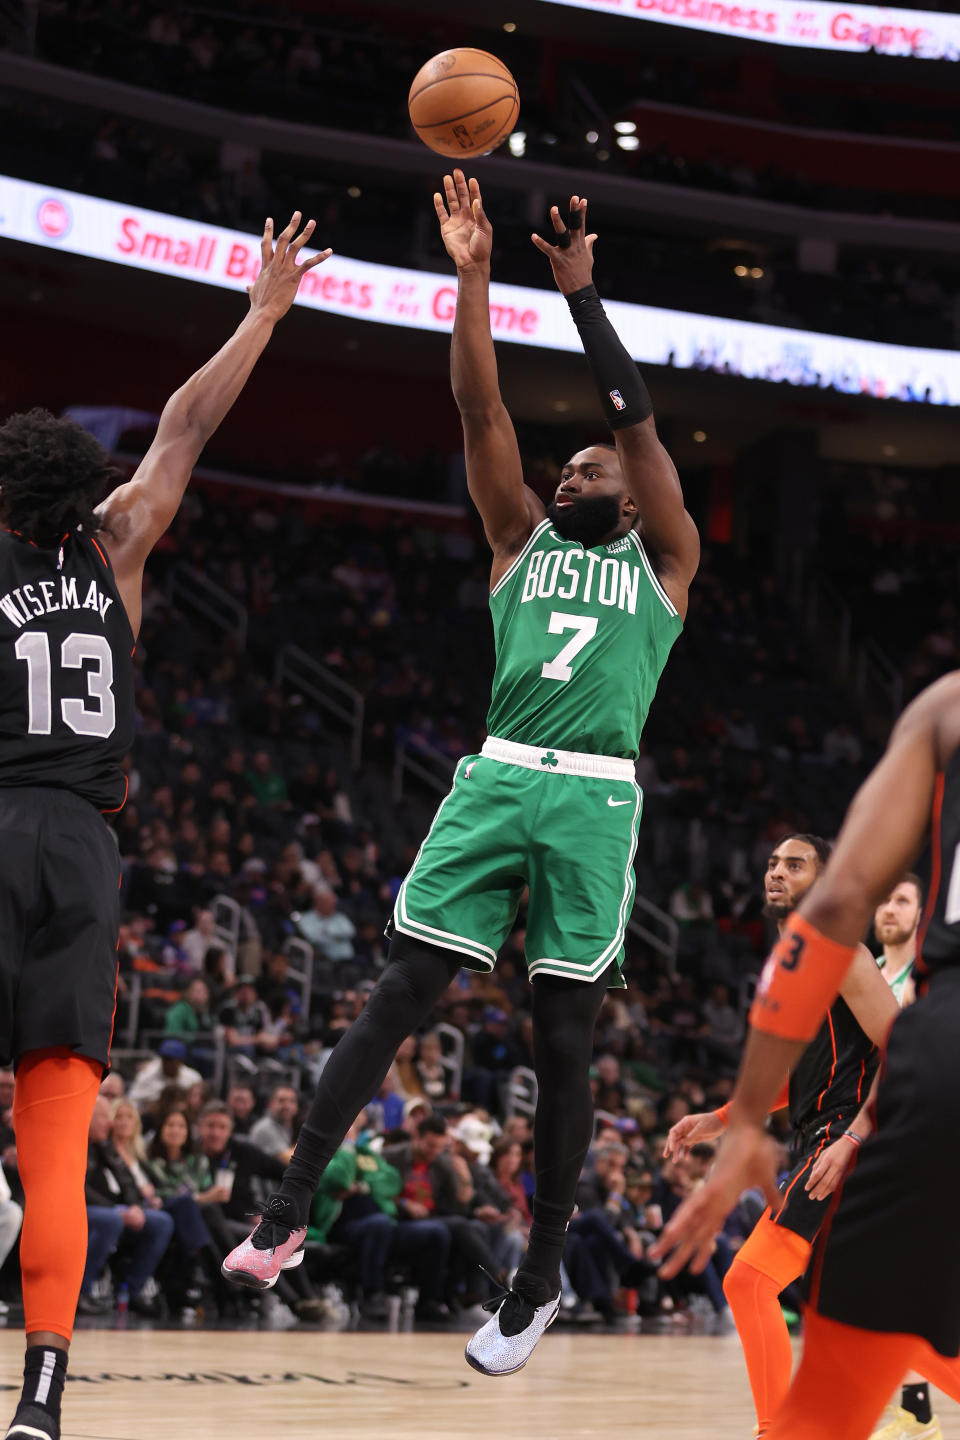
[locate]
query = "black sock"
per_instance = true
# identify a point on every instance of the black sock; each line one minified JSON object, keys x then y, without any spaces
{"x":916,"y":1400}
{"x":538,"y":1276}
{"x":44,"y":1373}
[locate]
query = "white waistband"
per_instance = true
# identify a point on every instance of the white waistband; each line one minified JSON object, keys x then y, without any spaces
{"x":558,"y":762}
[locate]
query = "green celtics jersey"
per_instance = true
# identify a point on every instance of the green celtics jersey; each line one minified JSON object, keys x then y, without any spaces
{"x":898,"y":982}
{"x":582,"y":637}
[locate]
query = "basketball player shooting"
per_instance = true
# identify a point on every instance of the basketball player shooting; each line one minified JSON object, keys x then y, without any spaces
{"x":827,"y":1093}
{"x":884,"y":1285}
{"x":585,"y":612}
{"x":70,"y":600}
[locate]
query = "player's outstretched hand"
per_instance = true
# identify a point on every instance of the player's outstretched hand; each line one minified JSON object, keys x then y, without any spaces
{"x":274,"y":289}
{"x":571,"y":258}
{"x":830,"y":1167}
{"x":746,"y":1159}
{"x":464,"y":227}
{"x":690,"y":1131}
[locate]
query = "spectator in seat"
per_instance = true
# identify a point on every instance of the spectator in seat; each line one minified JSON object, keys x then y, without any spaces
{"x":356,"y":1205}
{"x":434,"y":1077}
{"x":274,"y":1132}
{"x":611,"y":1094}
{"x":168,"y":1067}
{"x":240,"y":1172}
{"x":433,"y":1187}
{"x":724,"y":1033}
{"x":196,"y":941}
{"x":117,"y":1212}
{"x":326,"y":927}
{"x":189,"y":1229}
{"x":242,"y":1105}
{"x":191,"y":1018}
{"x":470,"y":1155}
{"x":495,"y":1054}
{"x":246,"y":1021}
{"x":266,"y":785}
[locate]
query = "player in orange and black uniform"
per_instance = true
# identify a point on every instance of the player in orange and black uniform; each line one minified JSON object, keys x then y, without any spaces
{"x":826,"y":1093}
{"x":70,"y":600}
{"x":885,"y":1281}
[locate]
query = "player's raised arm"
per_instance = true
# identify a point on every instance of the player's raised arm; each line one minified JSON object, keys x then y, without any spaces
{"x":647,"y":468}
{"x":494,"y":473}
{"x":136,"y":514}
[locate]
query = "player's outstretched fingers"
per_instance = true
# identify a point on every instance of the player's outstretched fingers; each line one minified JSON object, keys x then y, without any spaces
{"x":303,"y":237}
{"x":266,"y":244}
{"x":450,"y":191}
{"x":562,"y":233}
{"x":463,"y":190}
{"x":286,"y":235}
{"x":317,"y":259}
{"x":442,"y":212}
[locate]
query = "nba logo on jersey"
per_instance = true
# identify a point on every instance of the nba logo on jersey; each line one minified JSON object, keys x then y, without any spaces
{"x":466,"y":773}
{"x":618,"y":400}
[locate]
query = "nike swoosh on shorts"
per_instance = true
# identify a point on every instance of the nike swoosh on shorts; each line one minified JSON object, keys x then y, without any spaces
{"x":611,"y":801}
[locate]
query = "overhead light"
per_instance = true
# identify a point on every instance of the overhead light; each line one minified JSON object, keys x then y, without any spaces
{"x":699,"y":436}
{"x":354,"y":192}
{"x":756,"y":273}
{"x":889,"y":450}
{"x":628,"y":142}
{"x":518,"y":143}
{"x":592,"y":137}
{"x":625,"y":127}
{"x":740,"y":270}
{"x":560,"y":406}
{"x":509,"y":26}
{"x":549,"y":139}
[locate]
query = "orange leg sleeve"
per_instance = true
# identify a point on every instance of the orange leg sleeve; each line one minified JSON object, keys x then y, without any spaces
{"x":844,"y":1380}
{"x":52,"y":1105}
{"x":940,"y":1371}
{"x":766,"y":1263}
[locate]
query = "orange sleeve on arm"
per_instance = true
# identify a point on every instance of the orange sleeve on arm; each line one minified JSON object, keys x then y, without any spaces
{"x":783,"y":1098}
{"x":800,"y":981}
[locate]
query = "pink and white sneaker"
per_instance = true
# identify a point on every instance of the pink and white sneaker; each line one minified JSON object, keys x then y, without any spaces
{"x":276,"y":1244}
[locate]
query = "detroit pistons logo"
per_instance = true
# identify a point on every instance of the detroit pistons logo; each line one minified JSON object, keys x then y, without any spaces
{"x":53,"y":218}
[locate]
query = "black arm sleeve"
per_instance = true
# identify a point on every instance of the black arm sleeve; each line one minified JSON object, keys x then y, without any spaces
{"x":619,"y":383}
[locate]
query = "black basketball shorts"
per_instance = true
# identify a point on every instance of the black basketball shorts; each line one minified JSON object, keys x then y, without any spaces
{"x":888,"y":1258}
{"x":799,"y":1212}
{"x":59,"y":923}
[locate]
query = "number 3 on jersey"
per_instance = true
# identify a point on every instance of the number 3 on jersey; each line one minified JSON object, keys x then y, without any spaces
{"x":34,"y":648}
{"x":585,"y":626}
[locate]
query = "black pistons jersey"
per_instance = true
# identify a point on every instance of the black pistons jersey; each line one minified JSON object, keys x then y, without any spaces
{"x":835,"y":1071}
{"x":66,"y":672}
{"x":939,"y":943}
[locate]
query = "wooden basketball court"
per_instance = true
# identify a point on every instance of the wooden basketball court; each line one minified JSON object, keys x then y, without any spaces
{"x":182,"y":1385}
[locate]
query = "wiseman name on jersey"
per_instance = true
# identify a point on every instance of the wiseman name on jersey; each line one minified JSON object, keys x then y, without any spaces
{"x":33,"y":600}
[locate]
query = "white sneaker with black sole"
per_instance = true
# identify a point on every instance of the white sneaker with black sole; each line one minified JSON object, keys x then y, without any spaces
{"x":509,"y":1338}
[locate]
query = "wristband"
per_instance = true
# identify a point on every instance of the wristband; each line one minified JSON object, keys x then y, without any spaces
{"x":800,"y":981}
{"x":723,"y":1114}
{"x":852,"y":1135}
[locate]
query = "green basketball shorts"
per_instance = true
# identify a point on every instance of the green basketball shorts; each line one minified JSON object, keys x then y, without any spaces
{"x":561,"y":822}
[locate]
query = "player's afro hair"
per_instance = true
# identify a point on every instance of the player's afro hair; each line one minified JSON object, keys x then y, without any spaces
{"x":52,"y":474}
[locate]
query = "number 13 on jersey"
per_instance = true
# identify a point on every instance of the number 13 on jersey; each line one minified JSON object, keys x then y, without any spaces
{"x":585,"y":626}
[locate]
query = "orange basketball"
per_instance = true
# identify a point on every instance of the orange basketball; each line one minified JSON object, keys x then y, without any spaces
{"x":463,"y":103}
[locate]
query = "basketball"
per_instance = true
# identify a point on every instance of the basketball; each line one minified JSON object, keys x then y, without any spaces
{"x":463,"y":102}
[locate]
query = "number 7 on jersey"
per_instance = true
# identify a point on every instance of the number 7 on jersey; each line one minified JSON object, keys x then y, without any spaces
{"x":586,"y":627}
